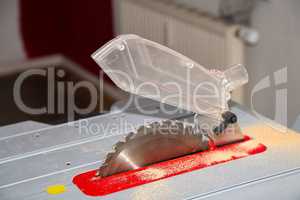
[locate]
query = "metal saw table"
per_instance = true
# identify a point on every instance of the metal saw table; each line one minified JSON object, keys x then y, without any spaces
{"x":34,"y":156}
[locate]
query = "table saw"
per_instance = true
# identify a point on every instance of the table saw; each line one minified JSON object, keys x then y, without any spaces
{"x":144,"y":152}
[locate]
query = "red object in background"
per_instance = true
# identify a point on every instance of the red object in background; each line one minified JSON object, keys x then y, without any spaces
{"x":74,"y":28}
{"x":96,"y":186}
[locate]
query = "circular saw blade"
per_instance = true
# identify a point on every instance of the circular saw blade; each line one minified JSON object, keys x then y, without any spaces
{"x":152,"y":144}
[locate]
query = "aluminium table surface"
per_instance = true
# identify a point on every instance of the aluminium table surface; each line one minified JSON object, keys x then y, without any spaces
{"x":32,"y":160}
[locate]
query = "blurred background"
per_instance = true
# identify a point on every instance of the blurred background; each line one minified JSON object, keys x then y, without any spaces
{"x":261,"y":34}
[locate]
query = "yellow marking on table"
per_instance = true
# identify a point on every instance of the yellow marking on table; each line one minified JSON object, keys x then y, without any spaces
{"x":56,"y":189}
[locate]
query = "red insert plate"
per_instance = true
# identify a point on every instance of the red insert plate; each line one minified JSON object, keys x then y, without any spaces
{"x":97,"y":186}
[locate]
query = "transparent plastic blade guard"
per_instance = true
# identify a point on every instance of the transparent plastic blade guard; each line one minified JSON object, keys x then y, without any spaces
{"x":148,"y":69}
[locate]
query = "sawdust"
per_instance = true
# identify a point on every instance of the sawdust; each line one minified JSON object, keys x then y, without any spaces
{"x":151,"y":174}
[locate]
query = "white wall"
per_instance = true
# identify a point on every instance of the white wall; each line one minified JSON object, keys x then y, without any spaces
{"x":277,"y":22}
{"x":10,"y":39}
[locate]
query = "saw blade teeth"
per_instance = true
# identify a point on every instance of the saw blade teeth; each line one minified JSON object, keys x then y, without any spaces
{"x":141,"y":130}
{"x":98,"y":173}
{"x":129,"y":136}
{"x":109,"y":156}
{"x":118,"y":145}
{"x":101,"y":170}
{"x":103,"y":166}
{"x":144,"y":130}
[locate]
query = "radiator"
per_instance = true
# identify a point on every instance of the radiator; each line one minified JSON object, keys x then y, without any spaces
{"x":205,"y":39}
